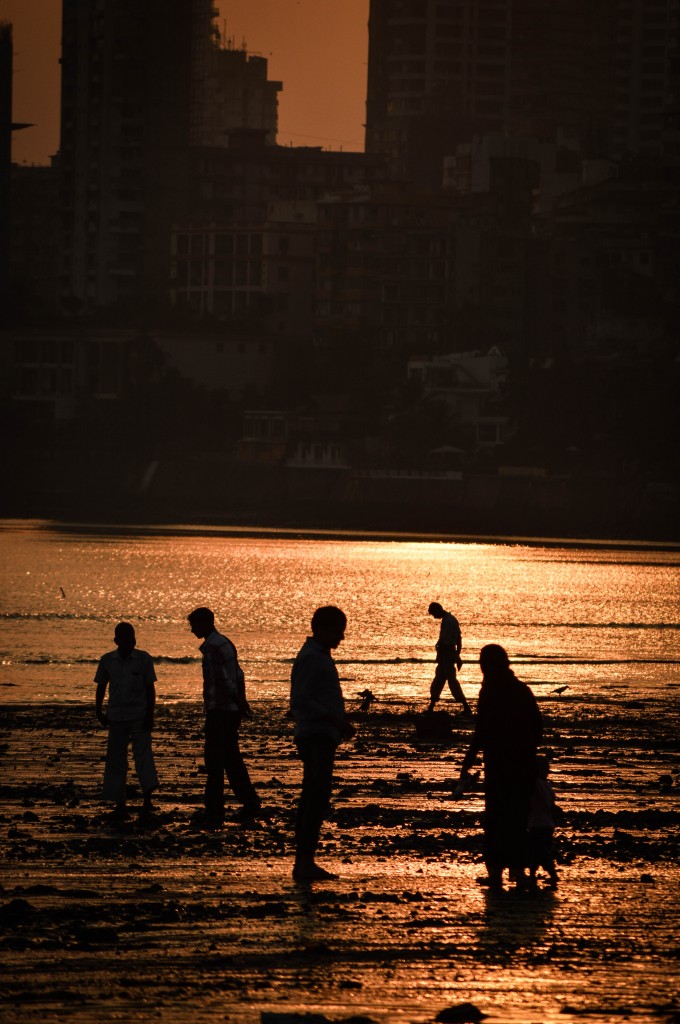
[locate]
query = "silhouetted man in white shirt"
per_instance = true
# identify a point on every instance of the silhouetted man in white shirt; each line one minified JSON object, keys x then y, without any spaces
{"x":130,"y":677}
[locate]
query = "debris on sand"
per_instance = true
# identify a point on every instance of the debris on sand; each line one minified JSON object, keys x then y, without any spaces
{"x":434,"y":727}
{"x":462,"y":1013}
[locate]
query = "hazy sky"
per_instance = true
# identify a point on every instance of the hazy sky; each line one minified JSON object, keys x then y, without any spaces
{"x":317,"y":48}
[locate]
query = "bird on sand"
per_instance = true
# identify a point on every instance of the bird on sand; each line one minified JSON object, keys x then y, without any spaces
{"x":561,"y":689}
{"x":368,"y":699}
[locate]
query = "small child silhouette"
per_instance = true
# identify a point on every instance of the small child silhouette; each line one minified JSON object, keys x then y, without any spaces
{"x":543,"y":816}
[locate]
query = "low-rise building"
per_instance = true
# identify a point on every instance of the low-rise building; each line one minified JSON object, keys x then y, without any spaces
{"x":262,"y":271}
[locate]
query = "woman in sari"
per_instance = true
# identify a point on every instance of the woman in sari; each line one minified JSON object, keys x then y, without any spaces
{"x":508,"y":731}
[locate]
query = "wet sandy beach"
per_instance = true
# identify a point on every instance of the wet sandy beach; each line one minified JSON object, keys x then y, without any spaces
{"x":172,"y":923}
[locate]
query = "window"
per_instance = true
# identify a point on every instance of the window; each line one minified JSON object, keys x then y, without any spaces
{"x":223,"y":274}
{"x":224,"y":245}
{"x":49,"y":351}
{"x":222,"y":303}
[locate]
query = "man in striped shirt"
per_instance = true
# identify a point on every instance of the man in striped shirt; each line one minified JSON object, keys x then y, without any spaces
{"x":224,"y":699}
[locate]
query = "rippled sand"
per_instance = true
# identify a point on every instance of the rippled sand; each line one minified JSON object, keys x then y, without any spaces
{"x":175,"y":924}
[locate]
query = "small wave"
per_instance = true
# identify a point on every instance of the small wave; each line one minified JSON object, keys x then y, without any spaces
{"x":576,"y":625}
{"x":187,"y":659}
{"x":383,"y":661}
{"x":349,"y":661}
{"x":48,"y":616}
{"x":520,"y":659}
{"x":57,"y":661}
{"x":605,"y":561}
{"x":163,"y":659}
{"x":530,"y":659}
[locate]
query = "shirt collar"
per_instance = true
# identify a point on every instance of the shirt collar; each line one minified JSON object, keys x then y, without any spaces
{"x":207,"y":639}
{"x":132,"y":654}
{"x":313,"y":642}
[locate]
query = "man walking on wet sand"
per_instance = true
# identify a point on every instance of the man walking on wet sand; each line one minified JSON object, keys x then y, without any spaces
{"x":130,"y":677}
{"x":224,"y":698}
{"x":318,"y":709}
{"x":448,"y":649}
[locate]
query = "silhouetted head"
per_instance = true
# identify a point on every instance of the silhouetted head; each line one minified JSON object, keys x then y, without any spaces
{"x":201,"y":622}
{"x":494,"y":662}
{"x":328,"y":626}
{"x":124,"y":638}
{"x":436,"y":610}
{"x":542,"y":766}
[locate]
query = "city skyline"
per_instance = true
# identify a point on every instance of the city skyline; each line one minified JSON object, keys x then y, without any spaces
{"x":331,"y":115}
{"x":407,"y":319}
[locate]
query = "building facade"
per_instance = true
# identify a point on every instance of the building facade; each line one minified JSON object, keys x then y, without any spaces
{"x":443,"y":71}
{"x":143,"y":87}
{"x":438,"y":73}
{"x":238,"y":94}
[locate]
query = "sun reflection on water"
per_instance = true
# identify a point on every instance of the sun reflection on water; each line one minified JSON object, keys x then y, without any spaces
{"x":578,"y":617}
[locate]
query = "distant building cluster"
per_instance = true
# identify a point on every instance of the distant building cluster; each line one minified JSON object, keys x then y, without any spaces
{"x":516,"y":205}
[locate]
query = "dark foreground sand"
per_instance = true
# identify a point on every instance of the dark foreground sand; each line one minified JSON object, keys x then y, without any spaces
{"x":169,"y":923}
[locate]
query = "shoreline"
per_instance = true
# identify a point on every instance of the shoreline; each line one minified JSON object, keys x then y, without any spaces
{"x":211,"y":529}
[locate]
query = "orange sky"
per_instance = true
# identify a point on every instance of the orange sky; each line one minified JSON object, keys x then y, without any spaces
{"x":317,"y":48}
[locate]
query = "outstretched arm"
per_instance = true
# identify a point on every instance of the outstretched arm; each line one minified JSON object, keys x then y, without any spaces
{"x":469,"y":758}
{"x":476,"y":744}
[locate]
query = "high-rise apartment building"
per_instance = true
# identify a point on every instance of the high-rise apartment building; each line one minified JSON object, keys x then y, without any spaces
{"x":645,"y":79}
{"x":600,"y":72}
{"x":438,"y":73}
{"x":142,"y":85}
{"x":238,"y":94}
{"x":559,"y":82}
{"x":6,"y":61}
{"x":126,"y":117}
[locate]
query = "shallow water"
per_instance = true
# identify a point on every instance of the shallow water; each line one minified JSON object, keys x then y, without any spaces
{"x":596,"y":620}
